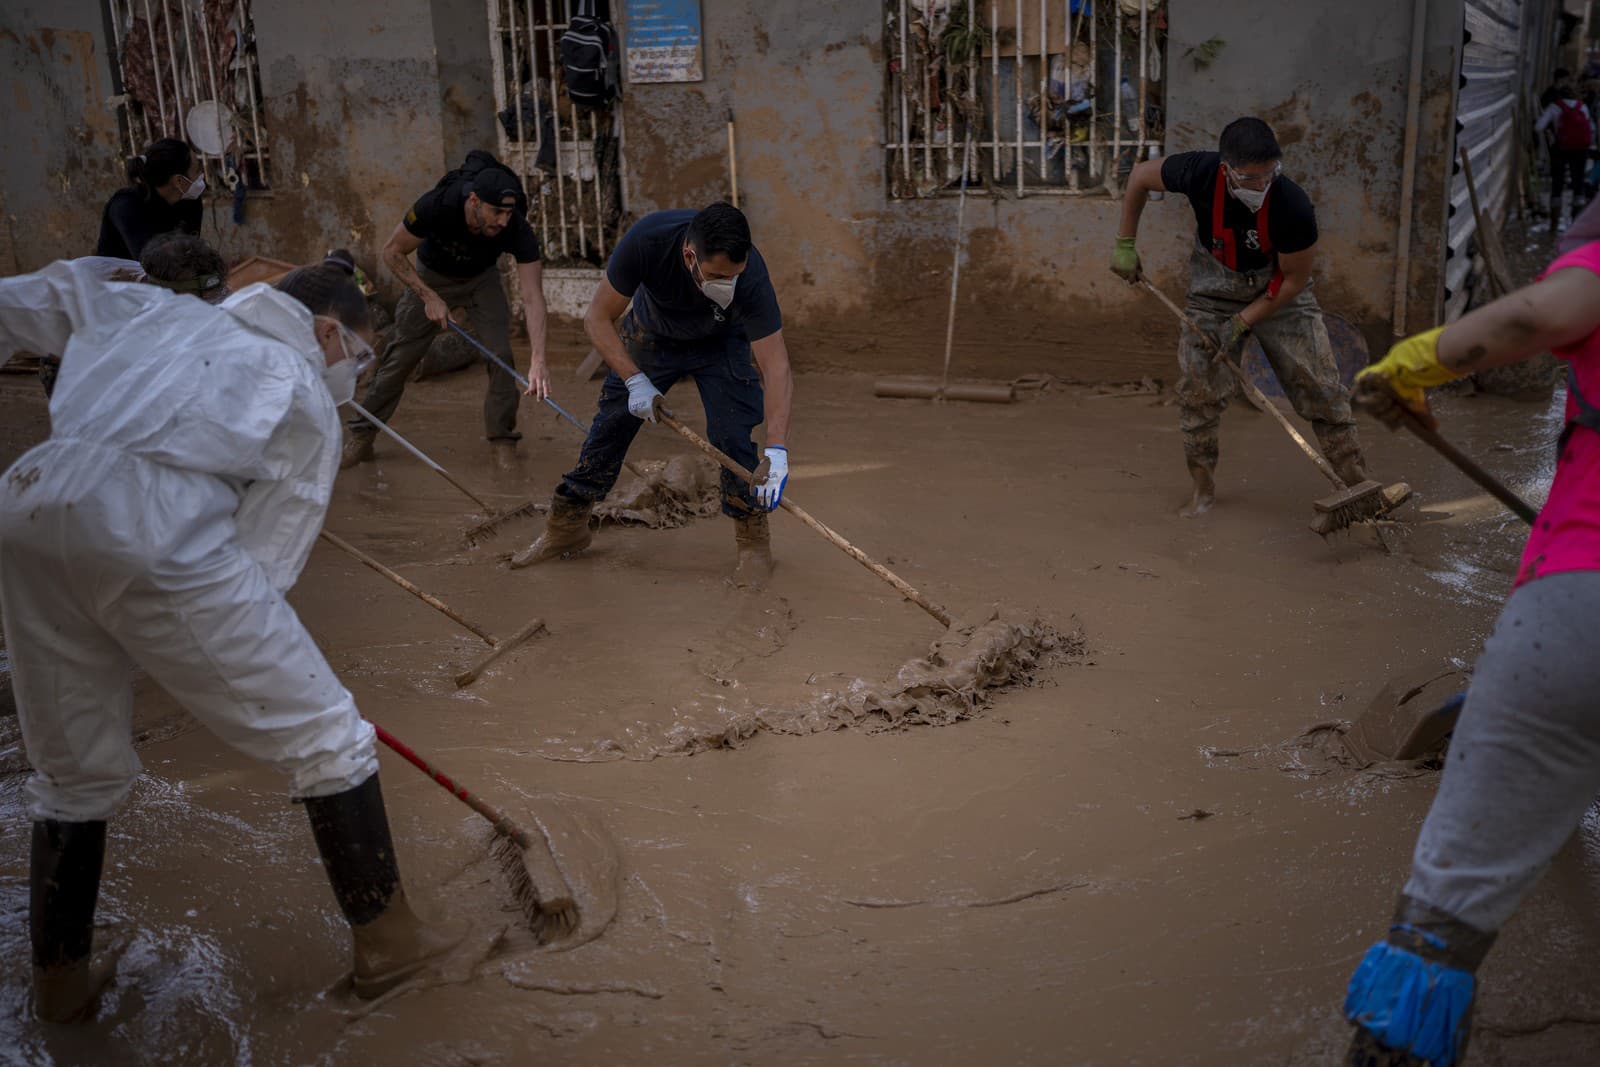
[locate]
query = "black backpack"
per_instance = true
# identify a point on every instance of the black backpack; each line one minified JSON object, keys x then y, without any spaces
{"x":589,"y":59}
{"x":478,"y":160}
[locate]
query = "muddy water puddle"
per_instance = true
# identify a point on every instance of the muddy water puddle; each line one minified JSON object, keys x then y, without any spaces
{"x":1019,"y":884}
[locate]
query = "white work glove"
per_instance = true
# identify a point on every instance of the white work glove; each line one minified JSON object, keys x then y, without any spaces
{"x":769,"y":494}
{"x":642,"y":397}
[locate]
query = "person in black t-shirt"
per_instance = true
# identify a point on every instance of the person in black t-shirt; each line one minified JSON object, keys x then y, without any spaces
{"x":162,"y":196}
{"x":459,"y":230}
{"x":703,"y":305}
{"x":1249,"y":273}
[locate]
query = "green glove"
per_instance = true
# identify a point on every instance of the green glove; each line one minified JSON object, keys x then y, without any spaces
{"x":1233,"y":340}
{"x":1125,"y":260}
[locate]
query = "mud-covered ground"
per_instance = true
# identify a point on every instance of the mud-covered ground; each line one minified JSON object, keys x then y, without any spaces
{"x":1135,"y":859}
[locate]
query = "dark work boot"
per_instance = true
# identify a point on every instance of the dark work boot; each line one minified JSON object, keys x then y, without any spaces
{"x":391,"y":943}
{"x":64,"y":884}
{"x":566,"y":532}
{"x":754,"y":538}
{"x":357,"y":449}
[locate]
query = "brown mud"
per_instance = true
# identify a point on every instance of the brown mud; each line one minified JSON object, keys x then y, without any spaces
{"x":880,"y":843}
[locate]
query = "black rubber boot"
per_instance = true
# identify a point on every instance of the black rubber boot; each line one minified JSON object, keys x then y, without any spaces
{"x":391,"y":943}
{"x":64,"y":885}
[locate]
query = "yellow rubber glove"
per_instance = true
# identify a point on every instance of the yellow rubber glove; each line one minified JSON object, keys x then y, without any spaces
{"x":1411,"y":366}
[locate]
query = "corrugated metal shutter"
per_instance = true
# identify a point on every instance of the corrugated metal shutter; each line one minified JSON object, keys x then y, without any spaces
{"x":1486,"y":110}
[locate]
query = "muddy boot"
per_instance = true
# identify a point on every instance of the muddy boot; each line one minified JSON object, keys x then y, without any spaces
{"x":566,"y":532}
{"x":1205,"y":492}
{"x":357,"y":449}
{"x":754,"y":538}
{"x":391,"y":943}
{"x":64,"y":883}
{"x":505,"y":456}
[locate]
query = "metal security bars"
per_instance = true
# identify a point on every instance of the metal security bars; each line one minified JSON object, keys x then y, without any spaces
{"x":1058,"y":97}
{"x":569,"y":158}
{"x":188,"y":69}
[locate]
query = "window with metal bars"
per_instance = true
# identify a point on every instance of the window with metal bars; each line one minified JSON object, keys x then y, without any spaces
{"x":569,"y":157}
{"x":1046,"y":97}
{"x":188,"y":69}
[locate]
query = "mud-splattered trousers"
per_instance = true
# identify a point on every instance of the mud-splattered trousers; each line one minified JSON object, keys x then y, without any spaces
{"x":1296,"y":344}
{"x":488,"y":321}
{"x":1524,"y":763}
{"x":730,"y":389}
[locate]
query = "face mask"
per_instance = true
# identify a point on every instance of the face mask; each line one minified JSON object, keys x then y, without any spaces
{"x":1250,"y":198}
{"x":341,"y":377}
{"x":718,"y":290}
{"x":196,"y":188}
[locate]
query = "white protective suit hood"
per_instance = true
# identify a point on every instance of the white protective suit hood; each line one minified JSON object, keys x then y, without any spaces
{"x":234,"y":392}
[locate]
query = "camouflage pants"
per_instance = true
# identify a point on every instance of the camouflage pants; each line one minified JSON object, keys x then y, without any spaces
{"x":1296,"y":345}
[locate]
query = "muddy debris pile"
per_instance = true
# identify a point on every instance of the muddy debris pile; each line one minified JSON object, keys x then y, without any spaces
{"x":958,"y":678}
{"x":673,"y":493}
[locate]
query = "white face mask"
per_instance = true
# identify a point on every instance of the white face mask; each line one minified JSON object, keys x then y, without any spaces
{"x":341,"y":377}
{"x":196,"y":188}
{"x":1250,"y":198}
{"x":718,"y":290}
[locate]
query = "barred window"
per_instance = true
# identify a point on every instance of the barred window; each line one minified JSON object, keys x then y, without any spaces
{"x":1056,"y":97}
{"x":188,"y":69}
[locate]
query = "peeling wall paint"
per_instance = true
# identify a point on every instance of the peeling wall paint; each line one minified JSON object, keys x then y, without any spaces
{"x":867,"y":278}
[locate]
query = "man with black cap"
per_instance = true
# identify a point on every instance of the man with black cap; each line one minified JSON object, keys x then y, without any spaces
{"x":459,"y":229}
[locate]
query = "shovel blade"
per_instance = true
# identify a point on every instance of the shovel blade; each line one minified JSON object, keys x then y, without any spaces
{"x":1409,"y":718}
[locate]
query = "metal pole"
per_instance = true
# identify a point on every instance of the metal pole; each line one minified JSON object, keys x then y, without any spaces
{"x":927,"y":103}
{"x":994,"y":90}
{"x":155,"y":66}
{"x":555,"y":121}
{"x":1016,"y":86}
{"x":1094,"y":142}
{"x":1044,"y":89}
{"x":1408,"y":175}
{"x":252,"y":87}
{"x":211,"y":72}
{"x":599,"y":207}
{"x":1144,"y":76}
{"x":577,"y":163}
{"x":905,"y":106}
{"x":1116,"y":96}
{"x":177,"y":72}
{"x":538,"y":122}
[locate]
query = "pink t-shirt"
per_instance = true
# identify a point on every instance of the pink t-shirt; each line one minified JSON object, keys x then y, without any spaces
{"x":1566,"y":535}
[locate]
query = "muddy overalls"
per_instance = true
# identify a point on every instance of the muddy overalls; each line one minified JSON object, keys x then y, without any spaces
{"x":1294,"y":339}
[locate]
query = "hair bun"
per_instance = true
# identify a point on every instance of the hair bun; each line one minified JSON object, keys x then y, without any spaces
{"x":342,"y":259}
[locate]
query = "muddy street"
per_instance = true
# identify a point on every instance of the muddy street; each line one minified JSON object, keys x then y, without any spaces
{"x":1131,"y":855}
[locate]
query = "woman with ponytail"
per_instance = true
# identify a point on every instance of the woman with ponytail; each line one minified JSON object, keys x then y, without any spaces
{"x":162,"y":196}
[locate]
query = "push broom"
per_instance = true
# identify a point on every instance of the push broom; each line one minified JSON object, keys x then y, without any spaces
{"x":1350,"y":504}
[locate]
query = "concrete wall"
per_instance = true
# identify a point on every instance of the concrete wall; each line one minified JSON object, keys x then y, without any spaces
{"x":366,"y":106}
{"x":61,"y":156}
{"x":865,"y":280}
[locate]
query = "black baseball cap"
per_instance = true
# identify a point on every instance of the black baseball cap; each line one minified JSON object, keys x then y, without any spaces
{"x":497,"y":187}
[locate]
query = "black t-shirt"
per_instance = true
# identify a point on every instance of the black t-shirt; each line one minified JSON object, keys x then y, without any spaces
{"x":439,"y":217}
{"x":647,"y":265}
{"x":1291,"y":220}
{"x":130,"y":219}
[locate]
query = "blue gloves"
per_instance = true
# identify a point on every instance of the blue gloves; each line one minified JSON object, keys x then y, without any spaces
{"x":642,"y":397}
{"x":769,"y":494}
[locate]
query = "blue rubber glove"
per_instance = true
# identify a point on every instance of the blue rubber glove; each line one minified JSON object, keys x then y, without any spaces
{"x":642,"y":397}
{"x":769,"y":494}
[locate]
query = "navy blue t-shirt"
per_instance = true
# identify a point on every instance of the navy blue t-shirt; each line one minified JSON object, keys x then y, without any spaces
{"x":647,"y":265}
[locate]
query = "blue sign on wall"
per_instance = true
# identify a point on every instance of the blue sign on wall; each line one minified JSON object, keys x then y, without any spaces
{"x":664,"y":42}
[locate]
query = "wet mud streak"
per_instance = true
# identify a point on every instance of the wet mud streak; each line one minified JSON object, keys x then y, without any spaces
{"x":758,"y":627}
{"x":961,"y":674}
{"x":679,"y":490}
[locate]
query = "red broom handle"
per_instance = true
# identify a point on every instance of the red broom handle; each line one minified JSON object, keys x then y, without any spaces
{"x":501,"y":822}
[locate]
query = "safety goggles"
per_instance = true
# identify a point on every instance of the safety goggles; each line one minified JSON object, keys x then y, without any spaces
{"x":354,"y":347}
{"x":1256,"y":182}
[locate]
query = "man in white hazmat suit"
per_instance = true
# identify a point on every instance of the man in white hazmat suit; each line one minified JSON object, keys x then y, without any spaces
{"x":192,"y":455}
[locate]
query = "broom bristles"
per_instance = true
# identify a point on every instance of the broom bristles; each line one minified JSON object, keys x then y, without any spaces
{"x":490,"y":527}
{"x":549,"y":908}
{"x":1343,"y":510}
